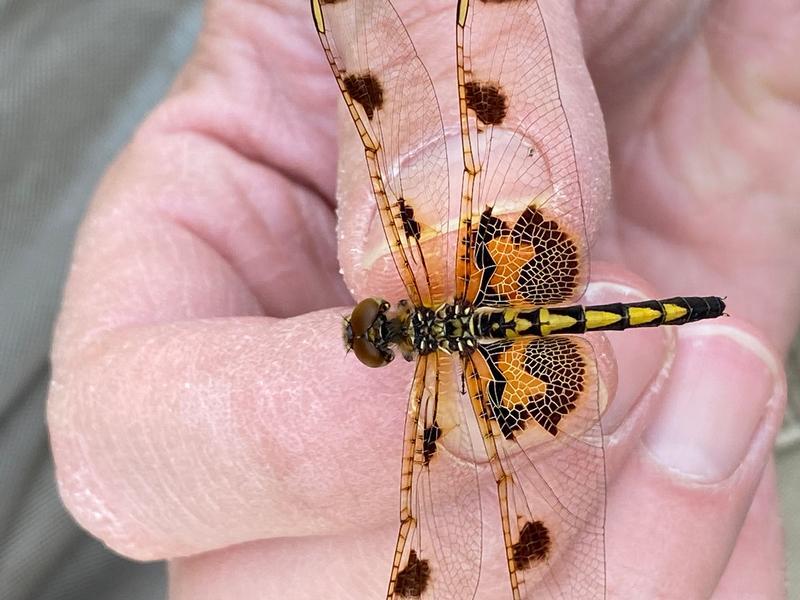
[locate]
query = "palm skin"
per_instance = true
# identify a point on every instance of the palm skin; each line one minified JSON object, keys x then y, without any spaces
{"x":239,"y":447}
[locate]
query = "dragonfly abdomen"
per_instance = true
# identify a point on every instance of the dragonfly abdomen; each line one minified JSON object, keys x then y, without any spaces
{"x":544,"y":321}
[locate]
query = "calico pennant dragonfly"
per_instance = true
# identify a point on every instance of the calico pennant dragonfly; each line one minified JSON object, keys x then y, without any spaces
{"x":493,"y":329}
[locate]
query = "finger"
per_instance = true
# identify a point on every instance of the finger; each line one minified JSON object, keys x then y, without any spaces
{"x":176,"y":439}
{"x":630,"y":42}
{"x":675,"y":512}
{"x":722,"y":90}
{"x":642,"y":357}
{"x":206,"y":206}
{"x":267,"y":97}
{"x":344,"y":567}
{"x":188,"y":225}
{"x":353,"y":567}
{"x":757,"y":568}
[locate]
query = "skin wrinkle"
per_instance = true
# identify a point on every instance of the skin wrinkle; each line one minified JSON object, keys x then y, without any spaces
{"x":722,"y":31}
{"x":649,"y":42}
{"x":219,"y":246}
{"x":243,"y":139}
{"x":760,"y":522}
{"x":624,"y":23}
{"x":209,"y":243}
{"x":229,"y":251}
{"x":146,"y":459}
{"x":653,"y":225}
{"x":702,"y":233}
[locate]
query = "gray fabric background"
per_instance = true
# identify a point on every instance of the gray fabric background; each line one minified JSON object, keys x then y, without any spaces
{"x":76,"y":76}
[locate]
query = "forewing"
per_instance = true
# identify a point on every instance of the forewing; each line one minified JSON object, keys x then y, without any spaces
{"x":438,"y":550}
{"x":392,"y":102}
{"x":538,"y":404}
{"x":522,"y":232}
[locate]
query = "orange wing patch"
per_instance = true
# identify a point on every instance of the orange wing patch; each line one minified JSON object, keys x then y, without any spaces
{"x":535,"y":262}
{"x":535,"y":382}
{"x":519,"y":161}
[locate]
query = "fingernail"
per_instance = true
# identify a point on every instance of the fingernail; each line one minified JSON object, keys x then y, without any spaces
{"x":712,"y":406}
{"x":640,"y":353}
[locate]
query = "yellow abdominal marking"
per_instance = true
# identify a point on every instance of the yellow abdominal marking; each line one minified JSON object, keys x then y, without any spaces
{"x":600,"y":318}
{"x":638,"y":316}
{"x":551,"y":323}
{"x":673,"y":311}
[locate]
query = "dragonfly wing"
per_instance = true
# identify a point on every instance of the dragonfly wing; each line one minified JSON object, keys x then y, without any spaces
{"x":538,"y":404}
{"x":522,"y":230}
{"x":392,"y":102}
{"x":438,"y":551}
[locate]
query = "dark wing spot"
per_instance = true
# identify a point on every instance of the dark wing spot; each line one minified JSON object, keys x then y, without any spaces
{"x":410,"y":225}
{"x":366,"y":90}
{"x":429,"y":437}
{"x":489,"y":228}
{"x":548,"y":412}
{"x":554,"y":361}
{"x":515,"y":418}
{"x":552,"y":274}
{"x":533,"y":545}
{"x":413,"y":580}
{"x":487,"y":100}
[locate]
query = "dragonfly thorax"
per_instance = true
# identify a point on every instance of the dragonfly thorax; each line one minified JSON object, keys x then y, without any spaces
{"x":374,"y":330}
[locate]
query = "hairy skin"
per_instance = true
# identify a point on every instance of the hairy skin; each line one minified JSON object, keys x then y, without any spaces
{"x":202,"y":411}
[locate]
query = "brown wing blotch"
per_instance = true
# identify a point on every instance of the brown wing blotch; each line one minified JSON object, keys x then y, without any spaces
{"x":540,"y":384}
{"x":533,"y":545}
{"x":412,"y":581}
{"x":430,"y":436}
{"x":411,"y":226}
{"x":487,"y":100}
{"x":366,"y":90}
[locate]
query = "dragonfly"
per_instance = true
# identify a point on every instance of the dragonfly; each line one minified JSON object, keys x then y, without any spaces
{"x":503,"y":371}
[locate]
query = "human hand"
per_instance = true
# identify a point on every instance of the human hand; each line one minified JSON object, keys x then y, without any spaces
{"x":200,"y":412}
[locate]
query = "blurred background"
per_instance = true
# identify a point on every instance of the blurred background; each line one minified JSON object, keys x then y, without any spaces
{"x":76,"y":77}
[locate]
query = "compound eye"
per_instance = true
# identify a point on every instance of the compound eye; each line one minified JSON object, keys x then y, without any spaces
{"x":367,"y":353}
{"x":364,"y":315}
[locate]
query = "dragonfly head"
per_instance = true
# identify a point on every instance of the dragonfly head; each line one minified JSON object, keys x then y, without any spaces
{"x":368,"y":332}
